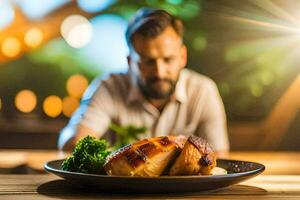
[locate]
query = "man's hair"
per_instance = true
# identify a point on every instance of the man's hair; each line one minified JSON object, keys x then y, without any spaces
{"x":149,"y":23}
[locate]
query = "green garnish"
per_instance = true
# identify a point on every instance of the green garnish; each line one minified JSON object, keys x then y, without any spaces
{"x":88,"y":156}
{"x":126,"y":134}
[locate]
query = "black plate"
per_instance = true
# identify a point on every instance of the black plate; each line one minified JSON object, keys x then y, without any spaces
{"x":238,"y":171}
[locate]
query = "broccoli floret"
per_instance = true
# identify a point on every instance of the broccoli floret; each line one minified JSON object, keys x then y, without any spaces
{"x":88,"y":156}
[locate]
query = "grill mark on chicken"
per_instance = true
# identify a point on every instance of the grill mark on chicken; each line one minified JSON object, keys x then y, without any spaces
{"x":148,"y":149}
{"x":142,"y":155}
{"x":148,"y":157}
{"x":164,"y":141}
{"x":134,"y":158}
{"x":119,"y":153}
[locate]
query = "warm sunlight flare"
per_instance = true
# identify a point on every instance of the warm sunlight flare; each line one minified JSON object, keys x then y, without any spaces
{"x":25,"y":101}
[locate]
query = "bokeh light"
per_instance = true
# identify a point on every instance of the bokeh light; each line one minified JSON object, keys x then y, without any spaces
{"x":105,"y":53}
{"x":94,"y":5}
{"x":107,"y":49}
{"x":25,"y":101}
{"x":0,"y":104}
{"x":52,"y":106}
{"x":76,"y":30}
{"x":6,"y":14}
{"x":76,"y":85}
{"x":199,"y":43}
{"x":256,"y":90}
{"x":34,"y":9}
{"x":11,"y":47}
{"x":69,"y":105}
{"x":34,"y":37}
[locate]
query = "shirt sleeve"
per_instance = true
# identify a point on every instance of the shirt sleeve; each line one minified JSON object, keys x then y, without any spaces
{"x":212,"y":125}
{"x":99,"y":111}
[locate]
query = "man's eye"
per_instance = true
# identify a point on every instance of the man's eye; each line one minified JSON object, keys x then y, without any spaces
{"x":168,"y":60}
{"x":149,"y":62}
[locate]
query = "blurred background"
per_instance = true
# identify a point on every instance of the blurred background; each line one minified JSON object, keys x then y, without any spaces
{"x":51,"y":50}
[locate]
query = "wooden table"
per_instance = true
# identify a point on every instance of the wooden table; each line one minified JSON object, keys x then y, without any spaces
{"x":281,"y":180}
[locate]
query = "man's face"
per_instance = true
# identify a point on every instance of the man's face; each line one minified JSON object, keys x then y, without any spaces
{"x":158,"y":62}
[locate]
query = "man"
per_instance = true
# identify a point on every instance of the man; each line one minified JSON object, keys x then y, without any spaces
{"x":157,"y":92}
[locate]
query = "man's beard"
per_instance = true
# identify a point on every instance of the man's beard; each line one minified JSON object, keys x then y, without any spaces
{"x":151,"y":93}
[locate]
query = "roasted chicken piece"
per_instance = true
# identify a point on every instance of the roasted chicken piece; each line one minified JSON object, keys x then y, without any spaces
{"x":148,"y":157}
{"x":197,"y":157}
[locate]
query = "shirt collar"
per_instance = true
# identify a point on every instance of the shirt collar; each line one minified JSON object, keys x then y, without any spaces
{"x":180,"y":94}
{"x":180,"y":90}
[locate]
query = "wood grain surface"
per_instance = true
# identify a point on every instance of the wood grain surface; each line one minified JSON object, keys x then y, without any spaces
{"x":281,"y":180}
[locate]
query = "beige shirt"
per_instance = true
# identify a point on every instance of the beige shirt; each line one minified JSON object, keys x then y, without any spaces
{"x":196,"y":109}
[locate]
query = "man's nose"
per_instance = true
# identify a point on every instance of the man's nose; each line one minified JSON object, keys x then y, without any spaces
{"x":160,"y":69}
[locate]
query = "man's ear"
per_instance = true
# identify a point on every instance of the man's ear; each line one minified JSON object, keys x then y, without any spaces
{"x":183,"y":56}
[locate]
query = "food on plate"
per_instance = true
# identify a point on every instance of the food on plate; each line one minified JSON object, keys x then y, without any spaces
{"x":148,"y":157}
{"x":197,"y":157}
{"x":157,"y":156}
{"x":88,"y":156}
